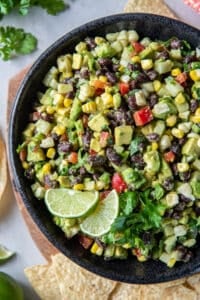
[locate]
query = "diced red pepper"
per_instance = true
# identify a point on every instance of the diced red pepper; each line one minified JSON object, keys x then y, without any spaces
{"x":169,"y":156}
{"x":124,"y":88}
{"x":73,"y":157}
{"x":181,"y":78}
{"x":85,"y":241}
{"x":143,"y":116}
{"x":104,"y":138}
{"x":23,"y":154}
{"x":92,"y":152}
{"x":137,"y":252}
{"x":98,"y":84}
{"x":118,"y":183}
{"x":98,"y":92}
{"x":104,"y":194}
{"x":137,"y":47}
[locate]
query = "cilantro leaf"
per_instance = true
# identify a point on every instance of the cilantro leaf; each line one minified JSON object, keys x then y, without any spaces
{"x":52,"y":7}
{"x":15,"y":41}
{"x":136,"y":143}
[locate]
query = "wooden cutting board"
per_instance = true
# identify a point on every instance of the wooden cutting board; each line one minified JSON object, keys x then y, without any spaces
{"x":45,"y":247}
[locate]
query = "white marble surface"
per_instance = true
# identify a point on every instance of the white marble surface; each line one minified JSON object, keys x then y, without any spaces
{"x":13,"y":232}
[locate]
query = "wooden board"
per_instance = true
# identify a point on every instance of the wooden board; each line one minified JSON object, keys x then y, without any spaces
{"x":45,"y":247}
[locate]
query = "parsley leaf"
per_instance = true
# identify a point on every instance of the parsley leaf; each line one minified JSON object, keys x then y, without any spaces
{"x":15,"y":41}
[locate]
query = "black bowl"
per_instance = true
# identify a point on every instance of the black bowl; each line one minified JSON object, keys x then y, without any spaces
{"x":130,"y":271}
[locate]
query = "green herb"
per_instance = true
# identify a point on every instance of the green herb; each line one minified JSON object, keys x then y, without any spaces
{"x":23,"y":6}
{"x":139,"y":213}
{"x":136,"y":143}
{"x":14,"y":41}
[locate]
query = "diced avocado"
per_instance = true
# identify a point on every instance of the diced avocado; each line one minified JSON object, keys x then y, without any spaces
{"x":76,"y":109}
{"x":28,"y":132}
{"x":95,"y":145}
{"x":147,"y":129}
{"x":171,"y":199}
{"x":170,"y":243}
{"x":120,"y":252}
{"x":152,"y":160}
{"x":123,"y":135}
{"x":159,"y":127}
{"x":175,"y":54}
{"x":163,"y":67}
{"x":105,"y":50}
{"x":146,"y":53}
{"x":48,"y":142}
{"x":195,"y":184}
{"x":86,"y":91}
{"x":133,"y":177}
{"x":165,"y":171}
{"x":105,"y":177}
{"x":64,"y":181}
{"x":76,"y":61}
{"x":164,"y":107}
{"x":173,"y":86}
{"x":180,"y":230}
{"x":46,"y":98}
{"x":196,"y":90}
{"x":183,"y":107}
{"x":98,"y":123}
{"x":109,"y":251}
{"x":34,"y":152}
{"x":191,"y":148}
{"x":158,"y":192}
{"x":186,"y":190}
{"x":43,"y":126}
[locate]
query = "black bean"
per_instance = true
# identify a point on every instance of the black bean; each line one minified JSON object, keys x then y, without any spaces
{"x":138,"y":161}
{"x":182,"y":250}
{"x":152,"y":99}
{"x":97,"y":160}
{"x":188,"y":256}
{"x":194,"y":104}
{"x":131,"y":101}
{"x":105,"y":62}
{"x":174,"y":169}
{"x":168,"y":213}
{"x":168,"y":184}
{"x":54,"y":136}
{"x":185,"y":176}
{"x":100,"y":72}
{"x":115,"y":67}
{"x":47,"y":117}
{"x":96,"y":176}
{"x":189,"y":58}
{"x":134,"y":67}
{"x":175,"y":44}
{"x":84,"y":73}
{"x":30,"y":173}
{"x":65,"y":147}
{"x":146,"y":237}
{"x":163,"y":55}
{"x":90,"y":42}
{"x":73,"y":171}
{"x":151,"y":137}
{"x":152,"y":74}
{"x":86,"y":139}
{"x":141,"y":78}
{"x":184,"y":198}
{"x":197,"y":211}
{"x":182,"y":141}
{"x":133,"y":84}
{"x":113,"y":156}
{"x":180,"y":206}
{"x":129,"y":118}
{"x":176,"y":215}
{"x":50,"y":183}
{"x":70,"y":95}
{"x":175,"y":148}
{"x":82,"y":171}
{"x":112,"y":78}
{"x":77,"y":179}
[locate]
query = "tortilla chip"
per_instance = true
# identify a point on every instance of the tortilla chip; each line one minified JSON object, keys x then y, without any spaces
{"x":180,"y":292}
{"x":126,"y":291}
{"x":77,"y":282}
{"x":194,"y":282}
{"x":157,"y":7}
{"x":43,"y":280}
{"x":3,"y":168}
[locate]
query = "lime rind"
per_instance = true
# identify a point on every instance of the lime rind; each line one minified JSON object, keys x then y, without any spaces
{"x":67,"y":203}
{"x":5,"y":253}
{"x":100,"y":220}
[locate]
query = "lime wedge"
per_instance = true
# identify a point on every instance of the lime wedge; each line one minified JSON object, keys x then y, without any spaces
{"x":100,"y":221}
{"x":69,"y":203}
{"x":5,"y":253}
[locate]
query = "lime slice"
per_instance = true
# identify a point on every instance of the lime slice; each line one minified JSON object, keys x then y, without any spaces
{"x":68,"y":203}
{"x":9,"y":288}
{"x":100,"y":221}
{"x":5,"y":253}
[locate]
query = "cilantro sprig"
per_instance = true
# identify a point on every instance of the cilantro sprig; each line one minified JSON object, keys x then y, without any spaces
{"x":23,"y":6}
{"x":139,"y":213}
{"x":15,"y":41}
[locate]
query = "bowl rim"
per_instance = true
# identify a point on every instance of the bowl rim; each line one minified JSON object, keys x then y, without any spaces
{"x":11,"y":150}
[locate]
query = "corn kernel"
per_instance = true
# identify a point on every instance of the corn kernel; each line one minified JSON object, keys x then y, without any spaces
{"x":67,"y":102}
{"x":51,"y":153}
{"x":127,"y":246}
{"x":141,"y":258}
{"x":59,"y":129}
{"x":171,"y":121}
{"x":50,"y":110}
{"x":183,"y":167}
{"x":62,"y":111}
{"x":147,"y":64}
{"x":135,"y":59}
{"x":197,"y":112}
{"x":78,"y":187}
{"x":195,"y":74}
{"x":157,"y":85}
{"x":171,"y":262}
{"x":121,"y":68}
{"x":180,"y":98}
{"x":58,"y":99}
{"x":175,"y":72}
{"x":99,"y":185}
{"x":46,"y":168}
{"x":178,"y":133}
{"x":103,"y":78}
{"x":89,"y":107}
{"x":96,"y":249}
{"x":154,"y":146}
{"x":107,"y":100}
{"x":195,"y":119}
{"x":25,"y":165}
